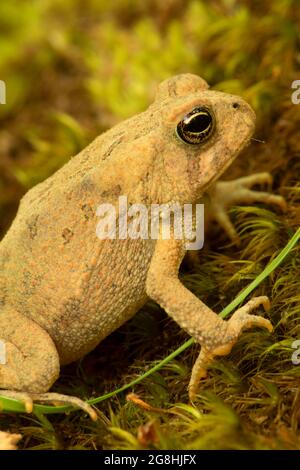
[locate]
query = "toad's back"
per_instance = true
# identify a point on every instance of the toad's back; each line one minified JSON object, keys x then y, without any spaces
{"x":56,"y":271}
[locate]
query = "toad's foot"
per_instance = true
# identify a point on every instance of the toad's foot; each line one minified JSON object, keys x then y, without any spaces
{"x":55,"y":398}
{"x":225,"y":194}
{"x":239,"y":321}
{"x":9,"y":441}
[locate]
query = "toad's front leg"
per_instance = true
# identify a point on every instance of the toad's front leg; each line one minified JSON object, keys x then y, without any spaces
{"x":225,"y":194}
{"x":215,"y":335}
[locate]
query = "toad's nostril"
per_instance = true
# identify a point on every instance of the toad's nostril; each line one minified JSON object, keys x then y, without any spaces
{"x":236,"y":105}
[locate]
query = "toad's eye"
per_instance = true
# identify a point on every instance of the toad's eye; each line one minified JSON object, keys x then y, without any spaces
{"x":196,"y":127}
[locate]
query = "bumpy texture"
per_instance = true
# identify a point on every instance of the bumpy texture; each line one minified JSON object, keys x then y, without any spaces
{"x":62,"y":289}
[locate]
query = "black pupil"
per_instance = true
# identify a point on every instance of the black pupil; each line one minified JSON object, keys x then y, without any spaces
{"x":198,"y":123}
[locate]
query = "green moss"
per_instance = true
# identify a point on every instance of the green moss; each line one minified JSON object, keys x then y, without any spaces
{"x":75,"y":68}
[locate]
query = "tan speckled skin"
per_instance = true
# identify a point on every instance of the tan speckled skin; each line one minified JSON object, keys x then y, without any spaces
{"x":62,"y":290}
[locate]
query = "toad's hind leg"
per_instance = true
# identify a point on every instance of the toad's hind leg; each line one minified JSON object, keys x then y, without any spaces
{"x":30,"y":363}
